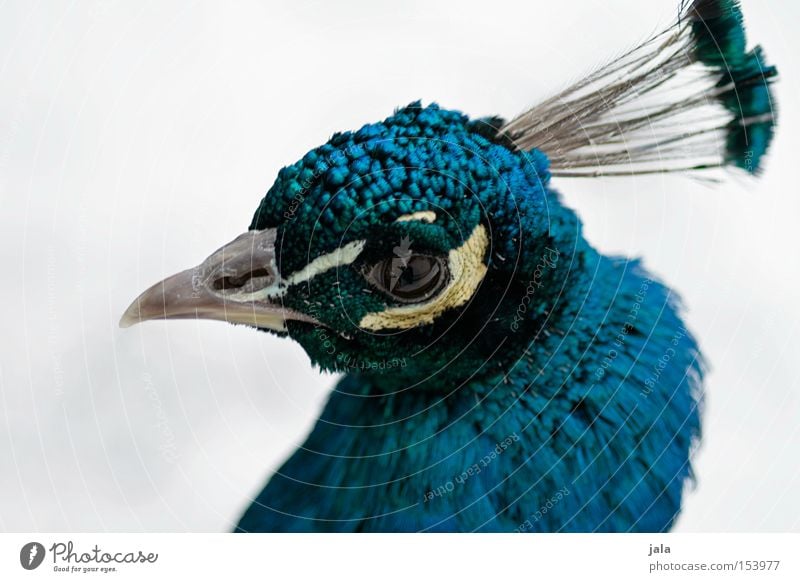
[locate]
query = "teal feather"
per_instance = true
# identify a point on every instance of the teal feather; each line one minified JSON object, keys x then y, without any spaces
{"x":720,"y":43}
{"x":579,"y":380}
{"x":689,"y":98}
{"x":594,"y":422}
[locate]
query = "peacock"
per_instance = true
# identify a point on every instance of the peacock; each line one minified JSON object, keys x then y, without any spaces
{"x":499,"y":374}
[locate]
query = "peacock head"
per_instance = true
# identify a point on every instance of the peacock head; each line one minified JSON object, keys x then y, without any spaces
{"x":423,"y":245}
{"x":430,"y":243}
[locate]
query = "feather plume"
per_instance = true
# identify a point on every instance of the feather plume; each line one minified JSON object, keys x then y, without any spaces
{"x":689,"y":98}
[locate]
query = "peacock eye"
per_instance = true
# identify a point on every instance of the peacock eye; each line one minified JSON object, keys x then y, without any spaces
{"x":411,"y":279}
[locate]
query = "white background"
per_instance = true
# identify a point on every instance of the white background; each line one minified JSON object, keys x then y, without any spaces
{"x":136,"y":138}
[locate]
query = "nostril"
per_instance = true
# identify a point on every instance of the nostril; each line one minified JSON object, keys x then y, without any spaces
{"x":250,"y":281}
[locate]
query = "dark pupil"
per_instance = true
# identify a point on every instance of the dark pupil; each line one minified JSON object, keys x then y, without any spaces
{"x":419,"y":277}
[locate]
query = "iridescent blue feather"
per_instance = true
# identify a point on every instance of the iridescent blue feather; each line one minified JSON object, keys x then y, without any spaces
{"x":579,"y":412}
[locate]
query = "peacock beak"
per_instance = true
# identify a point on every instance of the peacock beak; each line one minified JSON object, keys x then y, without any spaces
{"x":239,"y":283}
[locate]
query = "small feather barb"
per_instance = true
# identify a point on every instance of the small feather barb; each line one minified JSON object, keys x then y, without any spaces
{"x":689,"y":98}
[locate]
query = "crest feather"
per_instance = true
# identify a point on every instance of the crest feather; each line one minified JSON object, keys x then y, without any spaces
{"x":689,"y":98}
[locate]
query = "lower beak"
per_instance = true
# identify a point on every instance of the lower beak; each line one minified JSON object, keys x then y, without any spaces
{"x":239,"y":283}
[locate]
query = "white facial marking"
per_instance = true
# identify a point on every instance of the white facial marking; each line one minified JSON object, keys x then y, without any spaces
{"x":467,"y":270}
{"x":423,"y":215}
{"x":332,"y":260}
{"x":338,"y":258}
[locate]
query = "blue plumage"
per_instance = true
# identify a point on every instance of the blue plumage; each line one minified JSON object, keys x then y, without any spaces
{"x":588,"y":411}
{"x":499,"y":373}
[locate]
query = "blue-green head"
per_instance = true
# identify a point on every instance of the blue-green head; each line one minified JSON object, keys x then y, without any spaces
{"x":411,"y":241}
{"x":412,"y":247}
{"x":431,"y":243}
{"x":428,"y":253}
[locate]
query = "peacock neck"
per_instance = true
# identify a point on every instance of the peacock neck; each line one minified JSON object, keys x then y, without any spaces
{"x":484,"y":451}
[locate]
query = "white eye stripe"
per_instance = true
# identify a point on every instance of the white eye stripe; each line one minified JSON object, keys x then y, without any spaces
{"x":339,"y":258}
{"x":423,"y":215}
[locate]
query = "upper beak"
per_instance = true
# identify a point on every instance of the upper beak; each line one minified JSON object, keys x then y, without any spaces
{"x":239,"y":283}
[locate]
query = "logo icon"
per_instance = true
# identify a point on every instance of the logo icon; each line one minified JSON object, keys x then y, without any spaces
{"x":400,"y":261}
{"x":31,"y":555}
